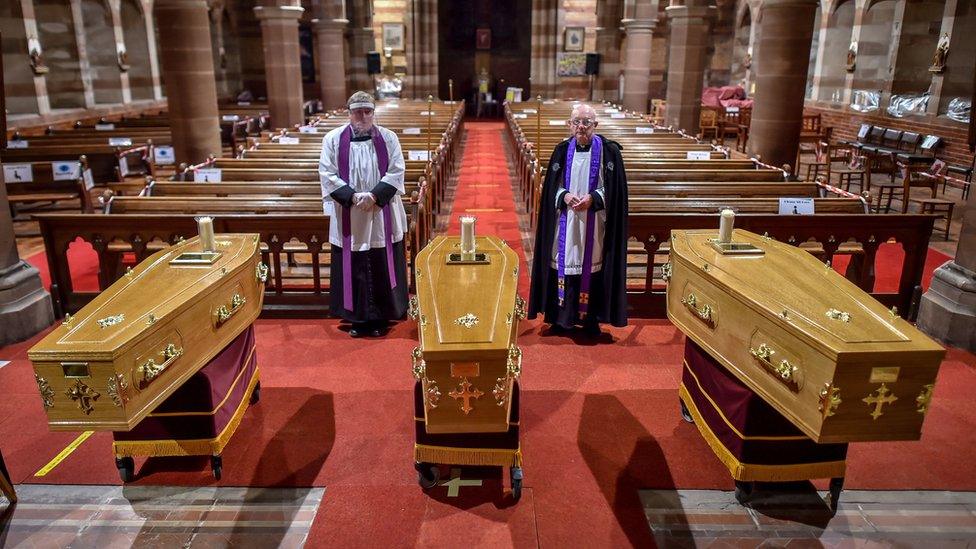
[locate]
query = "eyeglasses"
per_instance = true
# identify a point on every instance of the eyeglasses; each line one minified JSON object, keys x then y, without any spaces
{"x":585,"y":122}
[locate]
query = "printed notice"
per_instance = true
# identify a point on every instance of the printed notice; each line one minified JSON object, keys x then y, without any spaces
{"x":307,"y":129}
{"x":418,"y":155}
{"x":66,"y":170}
{"x":17,"y":144}
{"x":411,"y":131}
{"x":285,"y":140}
{"x":557,"y":122}
{"x":18,"y":173}
{"x":644,"y":129}
{"x":163,"y":155}
{"x":119,"y":142}
{"x":104,"y":127}
{"x":206,"y":175}
{"x":796,"y":206}
{"x":618,"y":115}
{"x":698,"y":155}
{"x":89,"y":179}
{"x":230,"y":118}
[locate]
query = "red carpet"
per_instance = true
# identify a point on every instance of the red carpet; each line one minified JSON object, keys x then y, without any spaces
{"x":599,"y":422}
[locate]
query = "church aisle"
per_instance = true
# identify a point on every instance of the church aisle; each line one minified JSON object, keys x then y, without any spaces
{"x":602,"y":438}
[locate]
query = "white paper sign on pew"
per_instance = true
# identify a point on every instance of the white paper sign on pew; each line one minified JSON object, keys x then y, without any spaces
{"x":307,"y":129}
{"x":66,"y":170}
{"x":230,"y":118}
{"x":163,"y":155}
{"x":119,"y":142}
{"x":418,"y":155}
{"x":611,"y":110}
{"x":731,"y":109}
{"x":644,"y":129}
{"x":104,"y":127}
{"x":394,"y":105}
{"x":18,"y":173}
{"x":520,"y":115}
{"x":618,"y":115}
{"x":411,"y":131}
{"x":698,"y":155}
{"x":89,"y":179}
{"x":206,"y":175}
{"x":530,"y":111}
{"x":796,"y":206}
{"x":427,"y":113}
{"x":244,"y":103}
{"x":285,"y":140}
{"x":123,"y":166}
{"x":17,"y":144}
{"x":557,"y":122}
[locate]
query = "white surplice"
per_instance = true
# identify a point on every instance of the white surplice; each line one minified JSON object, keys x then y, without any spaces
{"x":367,"y":227}
{"x":579,"y":184}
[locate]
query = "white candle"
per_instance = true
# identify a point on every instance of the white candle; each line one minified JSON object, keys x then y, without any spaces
{"x":467,"y":234}
{"x":207,"y":239}
{"x":725,"y":226}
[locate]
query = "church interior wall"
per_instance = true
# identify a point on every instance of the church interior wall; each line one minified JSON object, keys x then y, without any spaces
{"x":100,"y":45}
{"x":920,"y":33}
{"x":958,"y":77}
{"x":59,"y":42}
{"x":137,"y":50}
{"x":391,"y":12}
{"x":833,"y":68}
{"x":18,"y":78}
{"x":719,"y":71}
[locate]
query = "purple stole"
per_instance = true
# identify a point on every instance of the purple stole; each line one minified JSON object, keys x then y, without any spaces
{"x":383,"y":160}
{"x":596,"y":151}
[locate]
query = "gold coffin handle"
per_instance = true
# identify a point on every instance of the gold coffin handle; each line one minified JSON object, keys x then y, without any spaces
{"x":224,"y":312}
{"x":704,"y":313}
{"x":150,"y":370}
{"x":785,"y":372}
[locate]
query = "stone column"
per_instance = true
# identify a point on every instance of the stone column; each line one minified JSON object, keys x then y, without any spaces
{"x":153,"y":53}
{"x":545,"y":22}
{"x":422,"y":77}
{"x":608,"y":41}
{"x":361,"y":41}
{"x":781,"y":78}
{"x":25,"y":308}
{"x":188,"y":70}
{"x":687,"y":58}
{"x":282,"y":63}
{"x":116,"y":12}
{"x":331,"y":54}
{"x":637,"y":61}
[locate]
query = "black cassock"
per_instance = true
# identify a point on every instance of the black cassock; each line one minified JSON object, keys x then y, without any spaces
{"x":608,"y":289}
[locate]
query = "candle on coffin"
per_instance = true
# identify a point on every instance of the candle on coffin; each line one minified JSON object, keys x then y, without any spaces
{"x":467,"y":235}
{"x":725,"y":226}
{"x":208,"y":240}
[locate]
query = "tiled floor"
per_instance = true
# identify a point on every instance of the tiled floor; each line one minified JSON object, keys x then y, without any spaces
{"x":799,"y":518}
{"x":112,"y":516}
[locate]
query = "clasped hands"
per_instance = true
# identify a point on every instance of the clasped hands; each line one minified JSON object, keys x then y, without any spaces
{"x":578,"y":203}
{"x":364,"y":201}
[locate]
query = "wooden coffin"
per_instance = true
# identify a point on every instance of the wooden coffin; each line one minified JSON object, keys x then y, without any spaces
{"x":468,"y":314}
{"x":824,"y":353}
{"x":110,"y":365}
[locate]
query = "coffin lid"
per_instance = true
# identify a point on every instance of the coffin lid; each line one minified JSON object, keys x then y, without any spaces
{"x":448,"y":292}
{"x":789,"y":278}
{"x":154,"y":287}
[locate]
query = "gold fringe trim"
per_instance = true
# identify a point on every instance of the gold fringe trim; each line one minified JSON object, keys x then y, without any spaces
{"x":754,"y":472}
{"x":729,"y":423}
{"x":468,"y":456}
{"x":230,"y":391}
{"x":189,"y":447}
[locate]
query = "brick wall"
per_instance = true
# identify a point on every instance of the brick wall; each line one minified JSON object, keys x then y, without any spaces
{"x":846,"y":124}
{"x":391,"y":11}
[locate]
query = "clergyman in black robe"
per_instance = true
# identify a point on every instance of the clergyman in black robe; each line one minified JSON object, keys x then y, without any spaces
{"x":579,"y":267}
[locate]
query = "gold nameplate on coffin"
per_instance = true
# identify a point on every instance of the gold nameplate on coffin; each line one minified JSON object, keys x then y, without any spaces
{"x":467,"y":314}
{"x":131,"y":347}
{"x":804,"y":338}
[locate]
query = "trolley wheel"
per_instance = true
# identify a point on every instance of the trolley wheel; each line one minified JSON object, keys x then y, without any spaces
{"x":685,"y":414}
{"x":427,"y":474}
{"x":217,"y":465}
{"x":256,"y":394}
{"x":516,"y":473}
{"x":743,"y":491}
{"x":833,"y":493}
{"x":127,"y":468}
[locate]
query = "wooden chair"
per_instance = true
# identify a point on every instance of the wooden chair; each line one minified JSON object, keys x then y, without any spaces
{"x":709,"y":123}
{"x":819,"y":165}
{"x":855,"y":169}
{"x":938,"y":206}
{"x":657,"y":111}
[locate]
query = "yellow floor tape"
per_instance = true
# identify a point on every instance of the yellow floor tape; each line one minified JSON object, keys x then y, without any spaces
{"x":64,"y":454}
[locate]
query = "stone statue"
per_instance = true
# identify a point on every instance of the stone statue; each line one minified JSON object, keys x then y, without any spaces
{"x":941,"y":54}
{"x":851,"y":56}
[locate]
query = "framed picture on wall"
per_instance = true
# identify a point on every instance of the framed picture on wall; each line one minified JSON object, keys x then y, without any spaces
{"x":574,"y":38}
{"x":393,"y":36}
{"x":482,"y":39}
